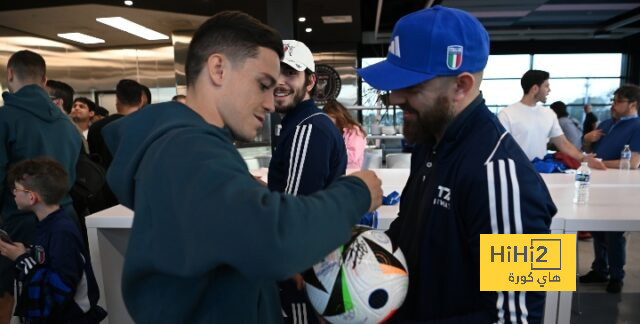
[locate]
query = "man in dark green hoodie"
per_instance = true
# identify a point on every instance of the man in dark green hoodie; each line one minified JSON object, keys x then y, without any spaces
{"x":208,"y":242}
{"x":31,"y":125}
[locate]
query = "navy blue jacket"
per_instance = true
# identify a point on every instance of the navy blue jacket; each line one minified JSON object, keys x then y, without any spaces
{"x":57,"y":279}
{"x":454,"y":193}
{"x":310,"y":153}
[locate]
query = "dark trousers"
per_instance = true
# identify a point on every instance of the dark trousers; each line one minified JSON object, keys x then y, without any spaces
{"x":610,"y":254}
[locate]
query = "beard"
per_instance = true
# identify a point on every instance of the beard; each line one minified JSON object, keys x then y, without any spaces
{"x":430,"y":123}
{"x":298,"y":96}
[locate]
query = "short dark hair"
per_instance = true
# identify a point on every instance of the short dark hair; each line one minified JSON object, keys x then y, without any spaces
{"x":102,"y":111}
{"x":129,"y":92}
{"x":86,"y":101}
{"x":28,"y":65}
{"x":177,"y":97}
{"x":147,"y":92}
{"x":233,"y":33}
{"x":560,"y":109}
{"x":307,"y":81}
{"x":63,"y":91}
{"x":44,"y":176}
{"x":629,"y":92}
{"x":533,"y":77}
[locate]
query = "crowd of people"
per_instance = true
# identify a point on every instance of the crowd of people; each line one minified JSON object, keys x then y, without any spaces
{"x":209,"y":243}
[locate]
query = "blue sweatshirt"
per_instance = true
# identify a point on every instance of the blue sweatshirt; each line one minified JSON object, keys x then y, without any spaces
{"x":616,"y":136}
{"x":454,"y":193}
{"x":310,"y":153}
{"x":208,"y":243}
{"x":56,"y":276}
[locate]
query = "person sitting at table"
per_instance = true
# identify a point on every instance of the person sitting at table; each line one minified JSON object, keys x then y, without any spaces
{"x":607,"y":141}
{"x":352,"y":132}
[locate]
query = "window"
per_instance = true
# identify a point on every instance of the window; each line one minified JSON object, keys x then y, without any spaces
{"x":576,"y":79}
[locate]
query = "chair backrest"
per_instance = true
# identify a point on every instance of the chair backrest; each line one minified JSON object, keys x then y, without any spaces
{"x":398,"y":160}
{"x":372,"y":159}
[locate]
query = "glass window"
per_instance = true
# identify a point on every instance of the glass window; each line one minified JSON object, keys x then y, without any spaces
{"x":506,"y":66}
{"x":498,"y":94}
{"x":579,"y":65}
{"x":369,"y":94}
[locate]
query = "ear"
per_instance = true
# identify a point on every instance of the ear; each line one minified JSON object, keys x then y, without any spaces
{"x":33,"y":198}
{"x":10,"y":74}
{"x":534,"y":90}
{"x":216,"y":65}
{"x":312,"y":82}
{"x":464,"y":84}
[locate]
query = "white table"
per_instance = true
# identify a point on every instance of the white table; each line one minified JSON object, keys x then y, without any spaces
{"x":108,"y":233}
{"x":599,"y":178}
{"x":610,"y":208}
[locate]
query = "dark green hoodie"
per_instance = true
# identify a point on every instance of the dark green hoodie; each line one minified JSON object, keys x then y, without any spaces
{"x":208,"y":242}
{"x":31,"y":125}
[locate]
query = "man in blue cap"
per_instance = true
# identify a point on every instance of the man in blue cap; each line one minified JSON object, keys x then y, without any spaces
{"x":468,"y":175}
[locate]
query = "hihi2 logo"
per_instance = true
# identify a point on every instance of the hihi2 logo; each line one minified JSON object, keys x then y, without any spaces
{"x":520,"y":262}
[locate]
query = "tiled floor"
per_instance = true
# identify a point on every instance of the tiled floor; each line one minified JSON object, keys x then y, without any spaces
{"x":594,"y":305}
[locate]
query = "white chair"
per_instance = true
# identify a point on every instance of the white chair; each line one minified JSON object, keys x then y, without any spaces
{"x":372,"y":159}
{"x":398,"y":160}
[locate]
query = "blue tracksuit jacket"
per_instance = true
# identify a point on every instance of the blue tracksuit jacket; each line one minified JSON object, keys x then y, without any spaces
{"x":310,"y":153}
{"x":476,"y":180}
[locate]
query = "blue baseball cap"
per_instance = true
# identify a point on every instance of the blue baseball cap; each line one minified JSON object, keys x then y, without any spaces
{"x":438,"y":41}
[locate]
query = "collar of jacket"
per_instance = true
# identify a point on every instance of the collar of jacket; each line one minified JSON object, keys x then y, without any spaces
{"x":299,"y":112}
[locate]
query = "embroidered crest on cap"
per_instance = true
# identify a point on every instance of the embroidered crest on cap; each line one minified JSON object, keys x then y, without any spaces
{"x":454,"y":57}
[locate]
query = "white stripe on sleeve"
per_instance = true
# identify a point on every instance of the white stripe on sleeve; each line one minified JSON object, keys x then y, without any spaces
{"x":291,"y":156}
{"x":303,"y":157}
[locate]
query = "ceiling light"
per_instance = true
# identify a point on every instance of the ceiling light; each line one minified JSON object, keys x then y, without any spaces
{"x":346,"y":19}
{"x":132,"y":28}
{"x":81,"y":38}
{"x":308,"y":29}
{"x":128,"y":3}
{"x":302,"y":19}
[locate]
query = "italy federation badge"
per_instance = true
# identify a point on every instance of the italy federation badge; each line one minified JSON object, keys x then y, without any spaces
{"x":454,"y":57}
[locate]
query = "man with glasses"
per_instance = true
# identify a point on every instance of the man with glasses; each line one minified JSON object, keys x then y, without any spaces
{"x":608,"y":141}
{"x":31,"y":125}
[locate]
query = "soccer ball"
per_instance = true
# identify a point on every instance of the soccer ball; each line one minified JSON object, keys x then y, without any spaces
{"x":364,"y":281}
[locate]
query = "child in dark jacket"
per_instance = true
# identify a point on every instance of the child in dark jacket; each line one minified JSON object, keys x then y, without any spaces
{"x":55,"y":282}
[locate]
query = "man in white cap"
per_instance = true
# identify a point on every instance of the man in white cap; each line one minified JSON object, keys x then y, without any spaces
{"x":468,"y":175}
{"x":310,"y":152}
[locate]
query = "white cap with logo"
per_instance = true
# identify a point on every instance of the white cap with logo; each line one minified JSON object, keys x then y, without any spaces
{"x":298,"y":55}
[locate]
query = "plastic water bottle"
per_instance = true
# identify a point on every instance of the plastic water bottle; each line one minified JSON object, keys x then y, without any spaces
{"x":583,"y":176}
{"x":625,"y":158}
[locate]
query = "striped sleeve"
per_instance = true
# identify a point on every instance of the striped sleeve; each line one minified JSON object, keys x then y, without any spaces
{"x":308,"y":161}
{"x":511,"y":199}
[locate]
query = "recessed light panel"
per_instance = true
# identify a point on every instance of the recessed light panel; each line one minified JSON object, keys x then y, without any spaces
{"x":132,"y":28}
{"x":81,"y":38}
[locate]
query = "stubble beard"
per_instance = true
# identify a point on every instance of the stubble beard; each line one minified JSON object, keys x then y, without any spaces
{"x":298,"y":96}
